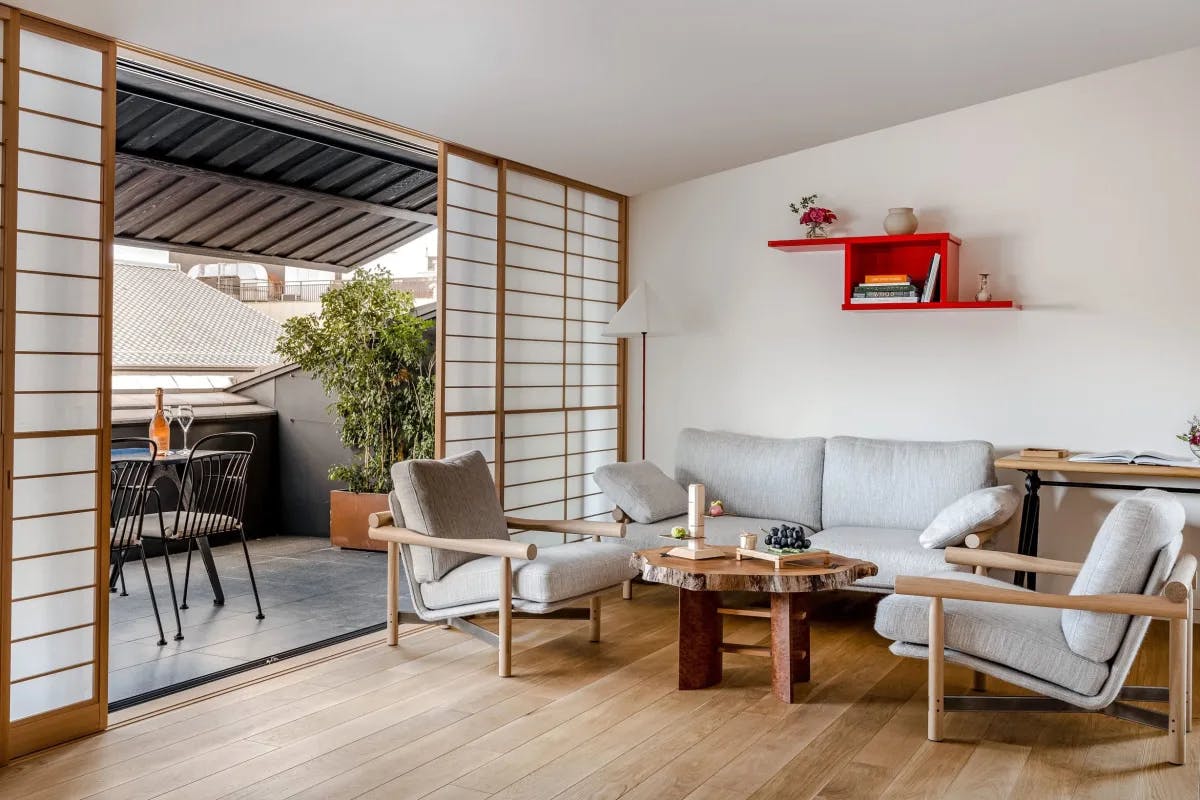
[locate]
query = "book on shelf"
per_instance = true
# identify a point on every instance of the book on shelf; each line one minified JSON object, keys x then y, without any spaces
{"x":928,"y":290}
{"x":911,"y":294}
{"x":887,"y":279}
{"x":1145,"y":458}
{"x":882,"y":300}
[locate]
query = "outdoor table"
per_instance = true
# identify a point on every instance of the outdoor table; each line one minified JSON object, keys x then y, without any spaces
{"x":170,"y":465}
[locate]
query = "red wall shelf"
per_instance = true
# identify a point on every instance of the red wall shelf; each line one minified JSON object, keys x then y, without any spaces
{"x":907,"y":255}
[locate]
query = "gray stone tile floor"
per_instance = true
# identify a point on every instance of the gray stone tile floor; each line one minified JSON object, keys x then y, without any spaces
{"x":309,"y":590}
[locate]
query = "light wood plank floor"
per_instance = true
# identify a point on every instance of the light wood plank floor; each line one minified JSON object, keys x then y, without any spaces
{"x":582,"y":721}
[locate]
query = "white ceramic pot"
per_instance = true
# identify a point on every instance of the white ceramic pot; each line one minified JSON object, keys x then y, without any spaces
{"x":900,"y":222}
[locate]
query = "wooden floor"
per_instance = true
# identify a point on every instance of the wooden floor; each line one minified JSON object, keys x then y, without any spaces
{"x":585,"y":722}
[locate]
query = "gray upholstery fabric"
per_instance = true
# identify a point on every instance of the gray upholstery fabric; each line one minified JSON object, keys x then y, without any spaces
{"x":1118,"y":671}
{"x":717,"y":530}
{"x":976,"y":511}
{"x":557,"y":574}
{"x":1028,"y":639}
{"x":453,"y":498}
{"x":893,"y":484}
{"x":189,"y":525}
{"x":755,"y":476}
{"x":642,"y":490}
{"x":895,"y":551}
{"x":1120,"y":561}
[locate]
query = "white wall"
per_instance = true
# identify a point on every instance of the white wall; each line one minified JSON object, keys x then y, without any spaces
{"x":1083,"y":201}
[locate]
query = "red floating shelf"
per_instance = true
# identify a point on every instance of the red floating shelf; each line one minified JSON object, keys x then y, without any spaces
{"x":904,"y":255}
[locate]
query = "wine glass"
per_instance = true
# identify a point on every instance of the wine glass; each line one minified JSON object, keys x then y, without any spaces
{"x":185,"y":414}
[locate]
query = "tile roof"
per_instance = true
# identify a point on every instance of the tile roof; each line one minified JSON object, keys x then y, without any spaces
{"x":163,"y":318}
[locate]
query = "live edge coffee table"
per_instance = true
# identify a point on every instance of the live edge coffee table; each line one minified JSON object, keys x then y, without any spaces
{"x":700,"y":612}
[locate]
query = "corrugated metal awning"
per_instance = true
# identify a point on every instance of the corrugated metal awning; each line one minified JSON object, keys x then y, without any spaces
{"x":212,"y":176}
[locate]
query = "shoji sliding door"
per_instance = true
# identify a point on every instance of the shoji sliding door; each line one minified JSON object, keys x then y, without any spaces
{"x":58,"y":118}
{"x":533,"y":270}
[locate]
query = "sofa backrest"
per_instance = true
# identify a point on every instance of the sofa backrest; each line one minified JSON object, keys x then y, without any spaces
{"x":755,"y":476}
{"x":895,"y":484}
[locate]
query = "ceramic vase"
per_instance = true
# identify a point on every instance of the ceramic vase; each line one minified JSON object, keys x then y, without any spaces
{"x":900,"y":222}
{"x":985,"y":290}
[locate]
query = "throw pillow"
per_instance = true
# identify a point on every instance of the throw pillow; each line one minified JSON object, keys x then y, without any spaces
{"x":642,"y":490}
{"x":977,"y":511}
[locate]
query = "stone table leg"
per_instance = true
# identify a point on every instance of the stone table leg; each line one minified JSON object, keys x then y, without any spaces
{"x":789,"y":643}
{"x":699,"y":639}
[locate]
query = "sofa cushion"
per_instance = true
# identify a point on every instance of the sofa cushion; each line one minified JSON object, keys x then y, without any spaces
{"x":755,"y":476}
{"x":1028,"y":639}
{"x":1120,"y":561}
{"x":717,"y":530}
{"x":894,"y":484}
{"x":558,"y":573}
{"x":895,"y":551}
{"x":454,"y":498}
{"x":642,"y":490}
{"x":977,"y":511}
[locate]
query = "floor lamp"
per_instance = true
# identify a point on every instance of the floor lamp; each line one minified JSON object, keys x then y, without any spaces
{"x":631,"y":321}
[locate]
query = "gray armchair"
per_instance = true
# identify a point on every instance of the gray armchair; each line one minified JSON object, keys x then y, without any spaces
{"x":1075,"y":650}
{"x":447,"y":526}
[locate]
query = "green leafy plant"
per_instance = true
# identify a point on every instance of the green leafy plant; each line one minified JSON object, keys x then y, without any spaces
{"x":376,"y":359}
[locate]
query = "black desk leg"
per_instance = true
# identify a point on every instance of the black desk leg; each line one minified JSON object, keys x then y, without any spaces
{"x":1027,"y":542}
{"x":211,"y":568}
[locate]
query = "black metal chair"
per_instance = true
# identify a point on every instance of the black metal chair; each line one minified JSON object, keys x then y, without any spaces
{"x":130,"y":488}
{"x":212,"y":500}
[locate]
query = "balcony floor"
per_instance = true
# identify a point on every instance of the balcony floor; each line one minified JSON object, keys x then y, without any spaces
{"x":309,"y":590}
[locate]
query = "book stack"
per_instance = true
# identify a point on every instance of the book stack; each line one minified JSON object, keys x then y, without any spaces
{"x":885,"y":289}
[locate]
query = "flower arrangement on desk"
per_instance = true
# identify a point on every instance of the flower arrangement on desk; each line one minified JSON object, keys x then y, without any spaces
{"x":1192,"y":435}
{"x":814,"y":216}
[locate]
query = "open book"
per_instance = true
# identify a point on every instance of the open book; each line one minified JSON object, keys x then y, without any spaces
{"x":1150,"y":458}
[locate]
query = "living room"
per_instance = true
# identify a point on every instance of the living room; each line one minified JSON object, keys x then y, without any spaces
{"x":816,"y":408}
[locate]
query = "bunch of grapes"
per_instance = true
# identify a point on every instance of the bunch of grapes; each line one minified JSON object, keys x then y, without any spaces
{"x":787,"y":537}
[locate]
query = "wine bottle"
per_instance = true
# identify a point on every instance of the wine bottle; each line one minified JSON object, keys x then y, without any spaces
{"x":160,"y":429}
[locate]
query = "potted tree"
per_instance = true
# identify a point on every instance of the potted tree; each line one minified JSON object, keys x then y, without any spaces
{"x":375,"y":359}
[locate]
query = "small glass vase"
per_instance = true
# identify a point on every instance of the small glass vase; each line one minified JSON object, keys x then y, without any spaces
{"x":1195,"y":449}
{"x":985,"y":291}
{"x":817,"y":232}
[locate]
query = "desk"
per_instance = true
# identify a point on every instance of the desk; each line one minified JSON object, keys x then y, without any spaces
{"x":1027,"y":542}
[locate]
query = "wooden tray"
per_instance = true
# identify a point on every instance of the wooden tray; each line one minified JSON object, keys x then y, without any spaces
{"x":779,"y":559}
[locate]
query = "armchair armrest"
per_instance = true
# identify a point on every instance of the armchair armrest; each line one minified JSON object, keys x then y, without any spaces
{"x":999,"y":560}
{"x":980,"y":538}
{"x":573,"y":526}
{"x":1143,"y":605}
{"x":1182,"y":579}
{"x":481,"y":547}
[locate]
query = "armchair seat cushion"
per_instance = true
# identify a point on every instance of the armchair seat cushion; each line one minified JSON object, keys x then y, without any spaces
{"x":558,"y":573}
{"x":897,"y":551}
{"x":189,"y":525}
{"x":1027,"y":639}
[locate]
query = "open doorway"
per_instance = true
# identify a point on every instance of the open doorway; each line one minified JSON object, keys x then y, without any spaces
{"x":233,"y":215}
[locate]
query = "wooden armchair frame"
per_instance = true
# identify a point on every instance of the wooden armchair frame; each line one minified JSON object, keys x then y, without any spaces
{"x":381,"y":529}
{"x":1173,"y":604}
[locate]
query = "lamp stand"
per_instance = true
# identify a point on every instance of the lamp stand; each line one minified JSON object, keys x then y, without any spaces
{"x":643,"y":395}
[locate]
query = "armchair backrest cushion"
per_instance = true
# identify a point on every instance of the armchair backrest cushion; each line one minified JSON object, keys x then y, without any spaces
{"x":755,"y":476}
{"x":880,"y":483}
{"x":1121,"y":561}
{"x":453,"y":498}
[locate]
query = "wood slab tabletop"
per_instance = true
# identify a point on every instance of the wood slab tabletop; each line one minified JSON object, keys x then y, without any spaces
{"x":1016,"y":461}
{"x":750,"y":574}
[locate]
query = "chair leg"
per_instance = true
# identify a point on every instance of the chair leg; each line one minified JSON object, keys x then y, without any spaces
{"x":936,"y":669}
{"x":594,"y":616}
{"x":171,"y":583}
{"x":627,"y":590}
{"x":250,"y":569}
{"x":393,"y":591}
{"x":121,"y":570}
{"x":162,"y":637}
{"x":505,"y":627}
{"x":1178,"y":690}
{"x":1189,"y":643}
{"x":187,"y":574}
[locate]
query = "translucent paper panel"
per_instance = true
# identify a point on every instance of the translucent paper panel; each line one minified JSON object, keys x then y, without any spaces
{"x":37,"y":536}
{"x":518,"y":498}
{"x":470,"y":248}
{"x":56,"y":373}
{"x":526,"y":447}
{"x":53,"y":612}
{"x":534,"y":211}
{"x":529,"y":233}
{"x":469,"y":427}
{"x":541,"y":305}
{"x":537,"y":188}
{"x":56,"y":57}
{"x":485,"y":446}
{"x":591,"y":419}
{"x":592,"y":352}
{"x":57,"y":215}
{"x":533,"y":374}
{"x":540,"y":352}
{"x":540,"y":469}
{"x":472,"y":222}
{"x":60,"y":137}
{"x":57,"y":295}
{"x":520,"y":255}
{"x":41,"y":333}
{"x":58,"y":175}
{"x":580,"y":222}
{"x":62,"y":99}
{"x":534,"y":424}
{"x":590,"y":289}
{"x":47,"y":653}
{"x":469,"y":273}
{"x":594,"y":505}
{"x":33,"y":697}
{"x":53,"y":412}
{"x":532,"y":397}
{"x":470,"y":323}
{"x":532,"y":328}
{"x":586,"y":463}
{"x":52,"y":455}
{"x":39,"y":576}
{"x":531,"y":280}
{"x":470,"y":298}
{"x":40,"y":253}
{"x":459,"y":400}
{"x":591,"y":374}
{"x":468,"y":171}
{"x":463,"y":195}
{"x":53,"y":495}
{"x":470,"y":374}
{"x":461,"y":348}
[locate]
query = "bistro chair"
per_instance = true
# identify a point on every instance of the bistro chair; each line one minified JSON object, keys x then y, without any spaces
{"x":212,"y":499}
{"x":130,"y":486}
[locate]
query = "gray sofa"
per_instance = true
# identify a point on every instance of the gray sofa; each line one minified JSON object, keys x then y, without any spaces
{"x":866,"y":498}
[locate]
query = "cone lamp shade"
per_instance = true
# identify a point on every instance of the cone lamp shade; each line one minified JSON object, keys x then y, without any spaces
{"x":633,"y":320}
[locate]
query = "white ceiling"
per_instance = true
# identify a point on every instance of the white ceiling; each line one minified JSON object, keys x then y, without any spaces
{"x":637,"y":94}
